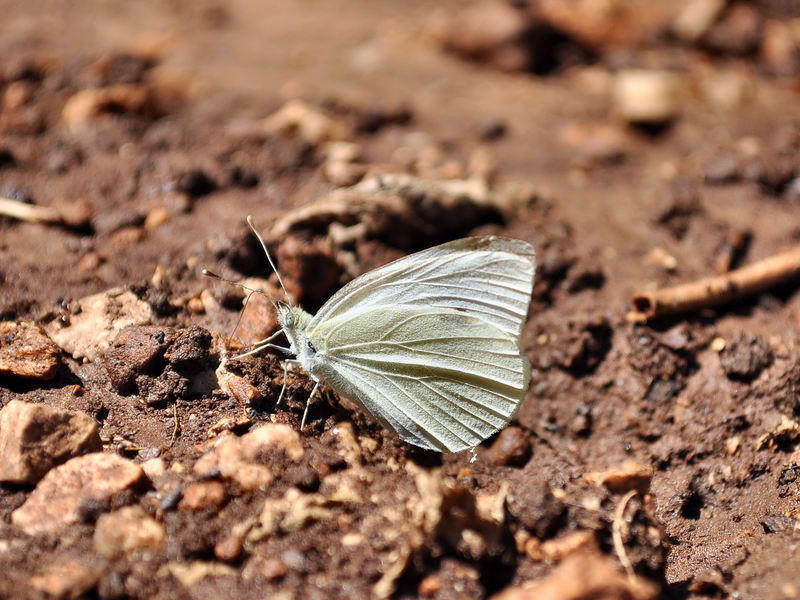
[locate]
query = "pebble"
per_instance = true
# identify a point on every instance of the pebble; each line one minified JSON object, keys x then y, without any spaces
{"x":243,"y":391}
{"x":66,"y":580}
{"x":647,"y":96}
{"x":202,"y":495}
{"x":229,"y":548}
{"x":100,"y":318}
{"x":632,"y":476}
{"x":127,"y":530}
{"x":511,"y":448}
{"x":60,"y":498}
{"x":239,"y":458}
{"x":35,"y":438}
{"x":26,"y":353}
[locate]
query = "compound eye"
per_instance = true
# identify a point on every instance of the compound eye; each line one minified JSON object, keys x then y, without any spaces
{"x":290,"y":320}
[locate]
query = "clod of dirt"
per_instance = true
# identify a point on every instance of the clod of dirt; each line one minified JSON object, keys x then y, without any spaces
{"x":745,"y":357}
{"x":310,"y":122}
{"x":62,"y":496}
{"x":89,"y":104}
{"x":241,"y":459}
{"x":632,"y":476}
{"x":96,"y":320}
{"x":159,"y":363}
{"x":35,"y":438}
{"x":26,"y":353}
{"x":585,"y":575}
{"x":578,"y":346}
{"x":535,"y":508}
{"x":135,"y":351}
{"x":507,"y":37}
{"x":737,"y":33}
{"x":404,"y":211}
{"x":126,"y":531}
{"x":512,"y":447}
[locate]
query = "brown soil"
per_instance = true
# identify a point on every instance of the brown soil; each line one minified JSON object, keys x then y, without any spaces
{"x":170,"y":166}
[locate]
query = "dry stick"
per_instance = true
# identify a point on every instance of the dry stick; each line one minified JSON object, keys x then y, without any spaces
{"x":713,"y":291}
{"x":76,"y":214}
{"x":616,"y":532}
{"x":28,"y":212}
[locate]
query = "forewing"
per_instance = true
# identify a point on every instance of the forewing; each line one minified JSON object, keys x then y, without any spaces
{"x":489,"y":277}
{"x":441,"y":378}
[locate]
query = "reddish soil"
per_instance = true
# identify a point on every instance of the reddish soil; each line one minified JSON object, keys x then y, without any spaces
{"x":167,"y":168}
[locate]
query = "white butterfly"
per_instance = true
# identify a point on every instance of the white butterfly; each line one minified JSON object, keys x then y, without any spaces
{"x":428,"y":344}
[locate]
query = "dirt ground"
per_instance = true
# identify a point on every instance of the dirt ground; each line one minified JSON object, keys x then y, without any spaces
{"x":635,"y":144}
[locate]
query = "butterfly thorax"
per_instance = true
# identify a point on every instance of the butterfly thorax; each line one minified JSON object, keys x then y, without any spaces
{"x":294,"y":322}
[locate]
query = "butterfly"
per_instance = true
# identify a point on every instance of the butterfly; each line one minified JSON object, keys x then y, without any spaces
{"x":430,"y":344}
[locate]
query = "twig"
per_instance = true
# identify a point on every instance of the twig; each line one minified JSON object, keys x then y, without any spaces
{"x":714,"y":291}
{"x":177,"y":427}
{"x":28,"y":212}
{"x":76,"y":214}
{"x":616,"y":533}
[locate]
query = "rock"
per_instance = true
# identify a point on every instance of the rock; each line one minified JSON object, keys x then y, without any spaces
{"x":738,"y":32}
{"x":35,"y":438}
{"x":512,"y":447}
{"x":647,"y":96}
{"x":696,"y":18}
{"x":229,"y":548}
{"x":243,"y":391}
{"x":127,"y":530}
{"x":202,"y":495}
{"x":259,"y":318}
{"x":584,"y":575}
{"x":96,"y":321}
{"x":780,"y":47}
{"x":86,"y":105}
{"x":26,"y":353}
{"x":310,"y":122}
{"x":241,"y":459}
{"x":63,"y":495}
{"x":632,"y":476}
{"x":66,"y":580}
{"x":745,"y":357}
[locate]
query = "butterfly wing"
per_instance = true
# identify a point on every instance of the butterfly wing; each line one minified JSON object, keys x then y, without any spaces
{"x":441,"y":378}
{"x":430,"y":344}
{"x":489,"y":277}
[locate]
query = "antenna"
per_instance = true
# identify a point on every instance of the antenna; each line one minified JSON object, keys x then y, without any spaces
{"x":213,"y":275}
{"x":269,"y":258}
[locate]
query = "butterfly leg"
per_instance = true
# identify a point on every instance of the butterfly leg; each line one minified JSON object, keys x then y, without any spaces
{"x":308,"y":403}
{"x":283,"y":387}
